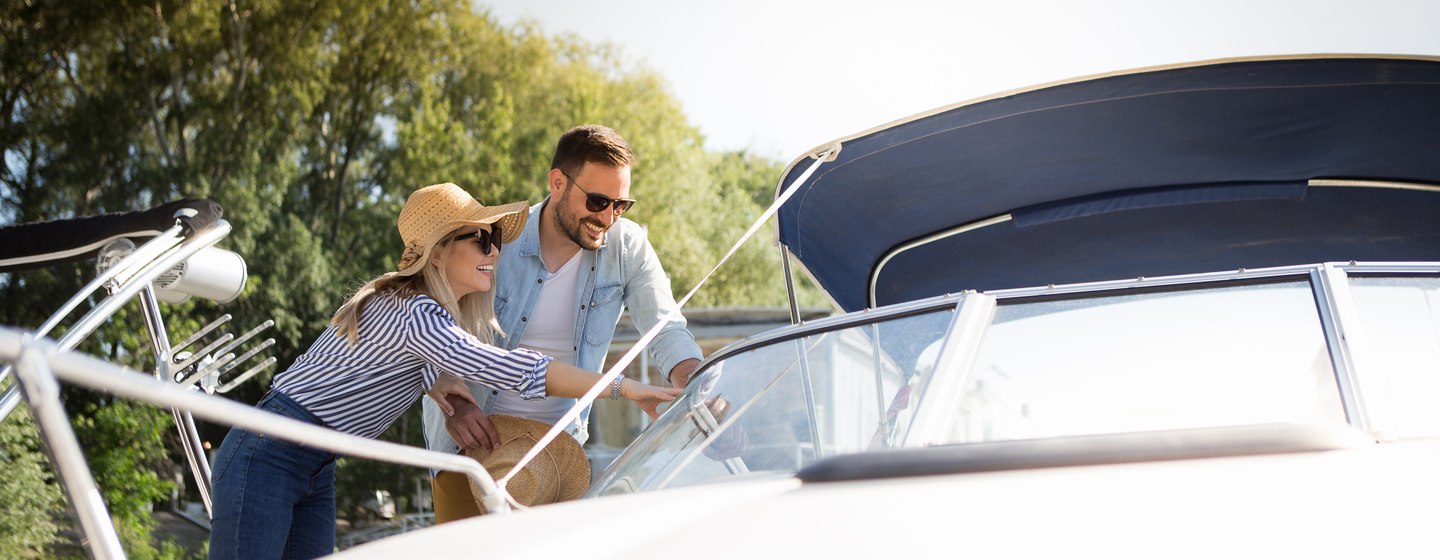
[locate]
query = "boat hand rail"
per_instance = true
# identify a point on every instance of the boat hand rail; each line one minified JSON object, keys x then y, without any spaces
{"x":126,"y":279}
{"x":40,"y":355}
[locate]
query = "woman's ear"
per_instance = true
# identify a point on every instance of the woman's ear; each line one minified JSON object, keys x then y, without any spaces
{"x":437,"y":255}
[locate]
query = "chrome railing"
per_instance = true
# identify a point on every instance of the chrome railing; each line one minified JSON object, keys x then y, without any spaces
{"x":183,"y":383}
{"x":39,"y":363}
{"x":125,"y":280}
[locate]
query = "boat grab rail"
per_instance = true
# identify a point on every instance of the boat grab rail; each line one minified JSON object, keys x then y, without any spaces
{"x":127,"y":277}
{"x":98,"y":375}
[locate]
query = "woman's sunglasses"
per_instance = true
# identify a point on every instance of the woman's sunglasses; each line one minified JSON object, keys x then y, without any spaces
{"x":600,"y":202}
{"x":483,"y":238}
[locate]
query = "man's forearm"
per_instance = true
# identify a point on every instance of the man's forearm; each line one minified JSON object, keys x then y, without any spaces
{"x":673,"y":347}
{"x":679,"y":375}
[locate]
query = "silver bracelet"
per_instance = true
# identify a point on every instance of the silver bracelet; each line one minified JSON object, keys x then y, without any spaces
{"x":615,"y":388}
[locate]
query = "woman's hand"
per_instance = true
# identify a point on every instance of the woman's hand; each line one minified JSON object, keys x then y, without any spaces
{"x":449,"y":385}
{"x":647,"y":397}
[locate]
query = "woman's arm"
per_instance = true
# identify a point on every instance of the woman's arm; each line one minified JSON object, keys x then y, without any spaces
{"x":561,"y":380}
{"x":565,"y":380}
{"x":436,"y":338}
{"x":433,"y":335}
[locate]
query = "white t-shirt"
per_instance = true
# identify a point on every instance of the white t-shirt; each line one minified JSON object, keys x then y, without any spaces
{"x":550,"y":331}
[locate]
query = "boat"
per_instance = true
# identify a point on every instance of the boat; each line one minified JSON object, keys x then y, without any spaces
{"x":1190,"y":310}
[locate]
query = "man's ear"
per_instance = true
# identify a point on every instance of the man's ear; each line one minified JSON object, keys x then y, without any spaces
{"x":557,"y":182}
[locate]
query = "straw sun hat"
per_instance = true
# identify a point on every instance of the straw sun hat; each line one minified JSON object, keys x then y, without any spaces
{"x":436,"y":210}
{"x":559,"y":473}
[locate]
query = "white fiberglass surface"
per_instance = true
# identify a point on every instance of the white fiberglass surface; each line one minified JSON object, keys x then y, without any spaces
{"x":777,"y":408}
{"x":1176,"y":359}
{"x":1400,"y":318}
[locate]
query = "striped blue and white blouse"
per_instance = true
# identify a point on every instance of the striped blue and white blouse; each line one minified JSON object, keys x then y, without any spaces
{"x":403,"y":345}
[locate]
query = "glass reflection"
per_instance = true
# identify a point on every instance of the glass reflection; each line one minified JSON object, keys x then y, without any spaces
{"x":1401,"y":321}
{"x":774,"y":409}
{"x":1188,"y":358}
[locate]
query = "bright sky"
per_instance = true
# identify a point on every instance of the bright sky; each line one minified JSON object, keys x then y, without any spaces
{"x":778,"y":77}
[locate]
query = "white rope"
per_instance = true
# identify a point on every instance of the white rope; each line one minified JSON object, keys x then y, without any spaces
{"x":619,"y":367}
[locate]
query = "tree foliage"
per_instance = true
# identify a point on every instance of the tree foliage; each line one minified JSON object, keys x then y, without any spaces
{"x":31,"y":497}
{"x":310,"y":122}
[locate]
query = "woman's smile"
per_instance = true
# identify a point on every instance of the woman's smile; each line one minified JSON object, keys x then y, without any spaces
{"x":469,"y":267}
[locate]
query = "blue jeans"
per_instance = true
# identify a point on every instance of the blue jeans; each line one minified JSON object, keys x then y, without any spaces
{"x":273,"y":498}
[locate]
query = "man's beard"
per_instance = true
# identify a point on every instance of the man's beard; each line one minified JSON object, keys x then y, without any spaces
{"x":572,"y":225}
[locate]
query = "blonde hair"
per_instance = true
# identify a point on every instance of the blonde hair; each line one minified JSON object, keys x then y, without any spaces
{"x":475,"y":313}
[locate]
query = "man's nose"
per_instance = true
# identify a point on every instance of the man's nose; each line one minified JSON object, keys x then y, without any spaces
{"x":606,"y":216}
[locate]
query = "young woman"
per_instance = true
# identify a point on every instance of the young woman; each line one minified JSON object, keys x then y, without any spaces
{"x":383,"y":349}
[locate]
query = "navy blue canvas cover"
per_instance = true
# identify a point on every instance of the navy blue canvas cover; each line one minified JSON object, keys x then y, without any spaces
{"x":1176,"y":170}
{"x":42,"y":244}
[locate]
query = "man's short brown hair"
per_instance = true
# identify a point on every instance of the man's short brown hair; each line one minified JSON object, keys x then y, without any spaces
{"x":591,"y":143}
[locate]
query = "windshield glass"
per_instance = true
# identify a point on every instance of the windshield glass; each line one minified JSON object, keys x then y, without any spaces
{"x":1176,"y":359}
{"x":777,"y":408}
{"x":1208,"y":354}
{"x":1401,"y":321}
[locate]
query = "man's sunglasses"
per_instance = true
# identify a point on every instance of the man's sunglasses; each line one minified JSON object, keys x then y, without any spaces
{"x":600,"y":202}
{"x":485,"y":239}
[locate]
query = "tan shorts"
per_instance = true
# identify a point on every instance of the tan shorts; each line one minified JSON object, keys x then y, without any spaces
{"x":453,"y":499}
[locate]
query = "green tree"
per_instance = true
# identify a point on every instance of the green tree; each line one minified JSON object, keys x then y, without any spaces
{"x":124,"y":445}
{"x":310,"y":122}
{"x":32,"y":500}
{"x":753,"y":276}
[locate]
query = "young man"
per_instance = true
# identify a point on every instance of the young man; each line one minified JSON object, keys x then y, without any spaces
{"x":560,"y":290}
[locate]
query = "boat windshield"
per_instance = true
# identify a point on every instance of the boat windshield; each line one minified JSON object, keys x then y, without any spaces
{"x":1230,"y":349}
{"x":1174,"y":359}
{"x":779,"y":407}
{"x":1401,"y":320}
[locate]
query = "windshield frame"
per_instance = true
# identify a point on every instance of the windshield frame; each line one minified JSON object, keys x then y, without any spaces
{"x":974,"y":314}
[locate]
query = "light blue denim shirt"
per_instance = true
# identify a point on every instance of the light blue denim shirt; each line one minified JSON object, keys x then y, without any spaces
{"x":623,"y":273}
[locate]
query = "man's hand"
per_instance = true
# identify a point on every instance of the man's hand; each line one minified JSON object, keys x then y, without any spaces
{"x":469,"y":426}
{"x":732,"y":442}
{"x":680,"y":374}
{"x":449,"y":385}
{"x":729,"y":444}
